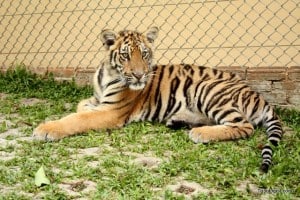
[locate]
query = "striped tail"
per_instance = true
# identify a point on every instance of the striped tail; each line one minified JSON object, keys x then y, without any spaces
{"x":274,"y":132}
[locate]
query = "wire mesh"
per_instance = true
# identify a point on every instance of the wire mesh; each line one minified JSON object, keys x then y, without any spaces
{"x":54,"y":33}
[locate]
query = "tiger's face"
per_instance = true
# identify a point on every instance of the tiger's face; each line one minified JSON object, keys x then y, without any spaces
{"x":130,"y":53}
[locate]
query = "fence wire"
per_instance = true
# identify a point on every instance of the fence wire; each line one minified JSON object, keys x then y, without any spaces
{"x":54,"y":33}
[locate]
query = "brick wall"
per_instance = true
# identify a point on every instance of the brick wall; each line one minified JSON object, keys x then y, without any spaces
{"x":279,"y":85}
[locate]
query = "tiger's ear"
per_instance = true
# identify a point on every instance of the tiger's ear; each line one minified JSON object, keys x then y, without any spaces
{"x":152,"y":34}
{"x":108,"y":38}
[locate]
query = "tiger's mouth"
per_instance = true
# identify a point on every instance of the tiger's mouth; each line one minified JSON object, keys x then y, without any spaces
{"x":137,"y":85}
{"x":137,"y":81}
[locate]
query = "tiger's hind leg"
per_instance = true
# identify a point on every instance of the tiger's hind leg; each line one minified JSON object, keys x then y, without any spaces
{"x":186,"y":119}
{"x":233,"y":126}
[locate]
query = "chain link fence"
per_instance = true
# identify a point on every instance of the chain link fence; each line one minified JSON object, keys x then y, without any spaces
{"x":63,"y":34}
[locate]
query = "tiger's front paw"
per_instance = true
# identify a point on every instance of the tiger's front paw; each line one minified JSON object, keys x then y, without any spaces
{"x":197,"y":135}
{"x":49,"y":131}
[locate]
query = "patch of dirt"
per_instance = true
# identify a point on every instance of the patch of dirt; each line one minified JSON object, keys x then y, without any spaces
{"x":184,"y":189}
{"x":77,"y":188}
{"x":13,"y":189}
{"x":247,"y":187}
{"x":66,"y":173}
{"x":93,"y":151}
{"x":11,"y":132}
{"x":5,"y":143}
{"x":149,"y":162}
{"x":10,"y":129}
{"x":145,"y":160}
{"x":288,"y":132}
{"x":4,"y":156}
{"x":188,"y":189}
{"x":68,"y":106}
{"x":168,"y":154}
{"x":3,"y":96}
{"x":26,"y":138}
{"x":11,"y":135}
{"x":5,"y":122}
{"x":31,"y":101}
{"x":146,"y":138}
{"x":133,"y":154}
{"x":93,"y":164}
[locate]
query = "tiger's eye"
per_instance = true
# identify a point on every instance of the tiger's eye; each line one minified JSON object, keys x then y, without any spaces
{"x":144,"y":54}
{"x":125,"y":55}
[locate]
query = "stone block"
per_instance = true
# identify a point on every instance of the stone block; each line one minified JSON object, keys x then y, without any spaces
{"x":294,"y":99}
{"x":276,"y":98}
{"x":294,"y":73}
{"x":84,"y":76}
{"x":260,"y":86}
{"x":285,"y":85}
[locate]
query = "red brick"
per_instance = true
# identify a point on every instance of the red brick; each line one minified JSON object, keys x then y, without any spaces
{"x":266,"y":73}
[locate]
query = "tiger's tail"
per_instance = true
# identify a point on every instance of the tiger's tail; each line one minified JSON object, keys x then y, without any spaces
{"x":274,"y":131}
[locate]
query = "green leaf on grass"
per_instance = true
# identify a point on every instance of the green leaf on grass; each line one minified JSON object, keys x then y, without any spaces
{"x":40,"y":178}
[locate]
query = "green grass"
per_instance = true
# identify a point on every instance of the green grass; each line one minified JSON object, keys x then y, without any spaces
{"x":111,"y":168}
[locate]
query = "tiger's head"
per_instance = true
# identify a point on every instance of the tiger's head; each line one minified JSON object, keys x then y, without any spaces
{"x":131,"y":53}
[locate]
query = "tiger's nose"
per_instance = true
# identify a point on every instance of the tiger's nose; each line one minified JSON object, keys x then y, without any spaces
{"x":137,"y":75}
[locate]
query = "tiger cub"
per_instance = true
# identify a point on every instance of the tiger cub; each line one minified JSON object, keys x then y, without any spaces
{"x":128,"y":87}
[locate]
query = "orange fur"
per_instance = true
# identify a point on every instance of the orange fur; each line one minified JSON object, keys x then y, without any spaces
{"x":78,"y":123}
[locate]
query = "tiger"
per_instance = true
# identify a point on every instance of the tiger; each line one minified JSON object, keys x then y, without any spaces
{"x":130,"y":87}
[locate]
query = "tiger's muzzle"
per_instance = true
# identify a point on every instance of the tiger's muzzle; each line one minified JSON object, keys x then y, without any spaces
{"x":136,"y":71}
